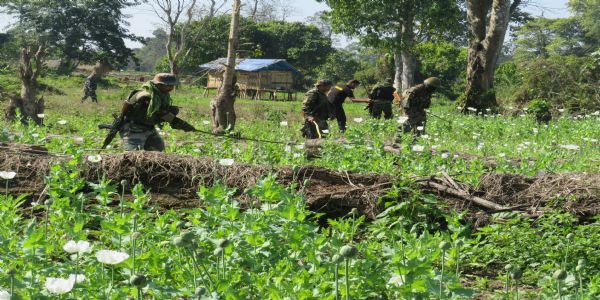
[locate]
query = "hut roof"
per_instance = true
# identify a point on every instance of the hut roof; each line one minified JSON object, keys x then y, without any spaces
{"x":251,"y":65}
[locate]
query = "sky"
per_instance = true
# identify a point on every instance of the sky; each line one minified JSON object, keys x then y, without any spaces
{"x":143,"y":21}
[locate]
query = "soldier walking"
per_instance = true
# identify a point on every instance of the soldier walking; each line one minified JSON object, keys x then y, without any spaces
{"x":147,"y":107}
{"x":414,"y":102}
{"x":337,"y":96}
{"x":89,"y":86}
{"x":381,"y":97}
{"x":315,"y":110}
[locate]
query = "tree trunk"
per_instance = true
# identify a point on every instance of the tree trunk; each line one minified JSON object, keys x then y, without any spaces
{"x":484,"y":51}
{"x":28,"y":104}
{"x":222,"y":106}
{"x":409,"y":62}
{"x":398,"y":69}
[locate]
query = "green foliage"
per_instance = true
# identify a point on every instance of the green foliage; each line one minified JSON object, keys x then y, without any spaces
{"x":152,"y":51}
{"x":445,"y":61}
{"x":565,"y":81}
{"x":540,"y":108}
{"x":339,"y":67}
{"x":588,"y":11}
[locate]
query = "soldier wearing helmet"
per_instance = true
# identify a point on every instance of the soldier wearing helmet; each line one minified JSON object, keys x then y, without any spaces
{"x":148,"y":107}
{"x":381,"y":97}
{"x":315,"y":110}
{"x":414,"y":102}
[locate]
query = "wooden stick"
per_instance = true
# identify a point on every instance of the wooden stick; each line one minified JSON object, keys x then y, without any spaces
{"x":464,"y":195}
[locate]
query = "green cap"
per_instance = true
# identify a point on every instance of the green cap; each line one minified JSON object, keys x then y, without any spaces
{"x":165,"y":78}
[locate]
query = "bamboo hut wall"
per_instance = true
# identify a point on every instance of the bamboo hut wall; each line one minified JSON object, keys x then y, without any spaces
{"x":262,"y":80}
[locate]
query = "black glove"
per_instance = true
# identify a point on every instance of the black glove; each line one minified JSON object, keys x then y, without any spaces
{"x":178,"y":123}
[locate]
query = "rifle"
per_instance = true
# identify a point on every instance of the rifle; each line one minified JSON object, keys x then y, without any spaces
{"x":115,"y":127}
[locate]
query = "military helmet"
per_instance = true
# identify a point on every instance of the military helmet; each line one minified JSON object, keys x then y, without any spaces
{"x":433,"y":82}
{"x":165,"y":78}
{"x":323,"y":82}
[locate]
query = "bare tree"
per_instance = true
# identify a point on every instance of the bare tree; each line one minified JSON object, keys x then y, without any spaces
{"x":170,"y":12}
{"x":269,"y":10}
{"x":222,"y":106}
{"x":488,"y":21}
{"x":211,"y":9}
{"x":29,"y":70}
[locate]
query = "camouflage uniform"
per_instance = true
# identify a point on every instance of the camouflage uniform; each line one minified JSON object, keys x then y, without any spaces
{"x":414,"y":102}
{"x":89,"y":87}
{"x":381,"y":97}
{"x":139,"y":132}
{"x":315,"y":105}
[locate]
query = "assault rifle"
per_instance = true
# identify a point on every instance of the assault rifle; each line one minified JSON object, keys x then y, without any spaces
{"x":115,"y":127}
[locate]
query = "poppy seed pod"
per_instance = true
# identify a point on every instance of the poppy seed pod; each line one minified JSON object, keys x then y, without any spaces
{"x":579,"y":268}
{"x":444,"y":245}
{"x":199,"y":292}
{"x":124,"y":183}
{"x":508,"y":268}
{"x":48,"y":202}
{"x":138,"y":281}
{"x":516,"y":274}
{"x":570,"y":236}
{"x":218,"y":251}
{"x":179,"y":242}
{"x":337,"y":259}
{"x":11,"y":272}
{"x":559,"y":275}
{"x":348,"y":251}
{"x":136,"y":235}
{"x":582,"y":262}
{"x":222,"y":243}
{"x":187,"y":236}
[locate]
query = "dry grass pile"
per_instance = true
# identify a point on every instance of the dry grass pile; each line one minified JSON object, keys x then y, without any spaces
{"x":578,"y":193}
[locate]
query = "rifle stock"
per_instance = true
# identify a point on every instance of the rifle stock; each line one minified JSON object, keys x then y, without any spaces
{"x":116,"y":126}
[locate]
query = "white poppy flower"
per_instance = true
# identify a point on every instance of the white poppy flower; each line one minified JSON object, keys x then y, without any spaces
{"x":35,"y":134}
{"x":459,"y":107}
{"x":420,"y":128}
{"x":325,"y":130}
{"x":287,"y":148}
{"x":570,"y":147}
{"x":59,"y":285}
{"x":561,"y":110}
{"x":402,"y":120}
{"x":593,"y":140}
{"x":283,"y":123}
{"x":80,"y":277}
{"x":62,"y":122}
{"x":535,"y":130}
{"x":396,"y":280}
{"x":110,"y":257}
{"x":77,"y":247}
{"x":445,"y":155}
{"x":78,"y":140}
{"x":7,"y":175}
{"x":205,"y":122}
{"x":596,"y":113}
{"x":226,"y":162}
{"x":358,"y":120}
{"x":196,"y":150}
{"x":300,"y":146}
{"x":41,"y":116}
{"x":94,"y":158}
{"x":501,"y":155}
{"x":296,"y":155}
{"x":418,"y":148}
{"x":471,"y":108}
{"x":4,"y":295}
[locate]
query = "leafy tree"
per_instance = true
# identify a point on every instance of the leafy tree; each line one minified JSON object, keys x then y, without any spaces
{"x":543,"y":37}
{"x":152,"y":51}
{"x":588,"y":13}
{"x":397,"y":25}
{"x":339,"y":67}
{"x":444,"y":60}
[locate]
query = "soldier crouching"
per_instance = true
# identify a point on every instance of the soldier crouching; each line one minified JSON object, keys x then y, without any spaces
{"x":146,"y":108}
{"x":315,"y":109}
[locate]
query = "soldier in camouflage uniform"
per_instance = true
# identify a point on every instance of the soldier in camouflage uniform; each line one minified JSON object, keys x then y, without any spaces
{"x":414,"y":103}
{"x":147,"y":107}
{"x":381,"y":97}
{"x":89,"y":86}
{"x":315,"y":110}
